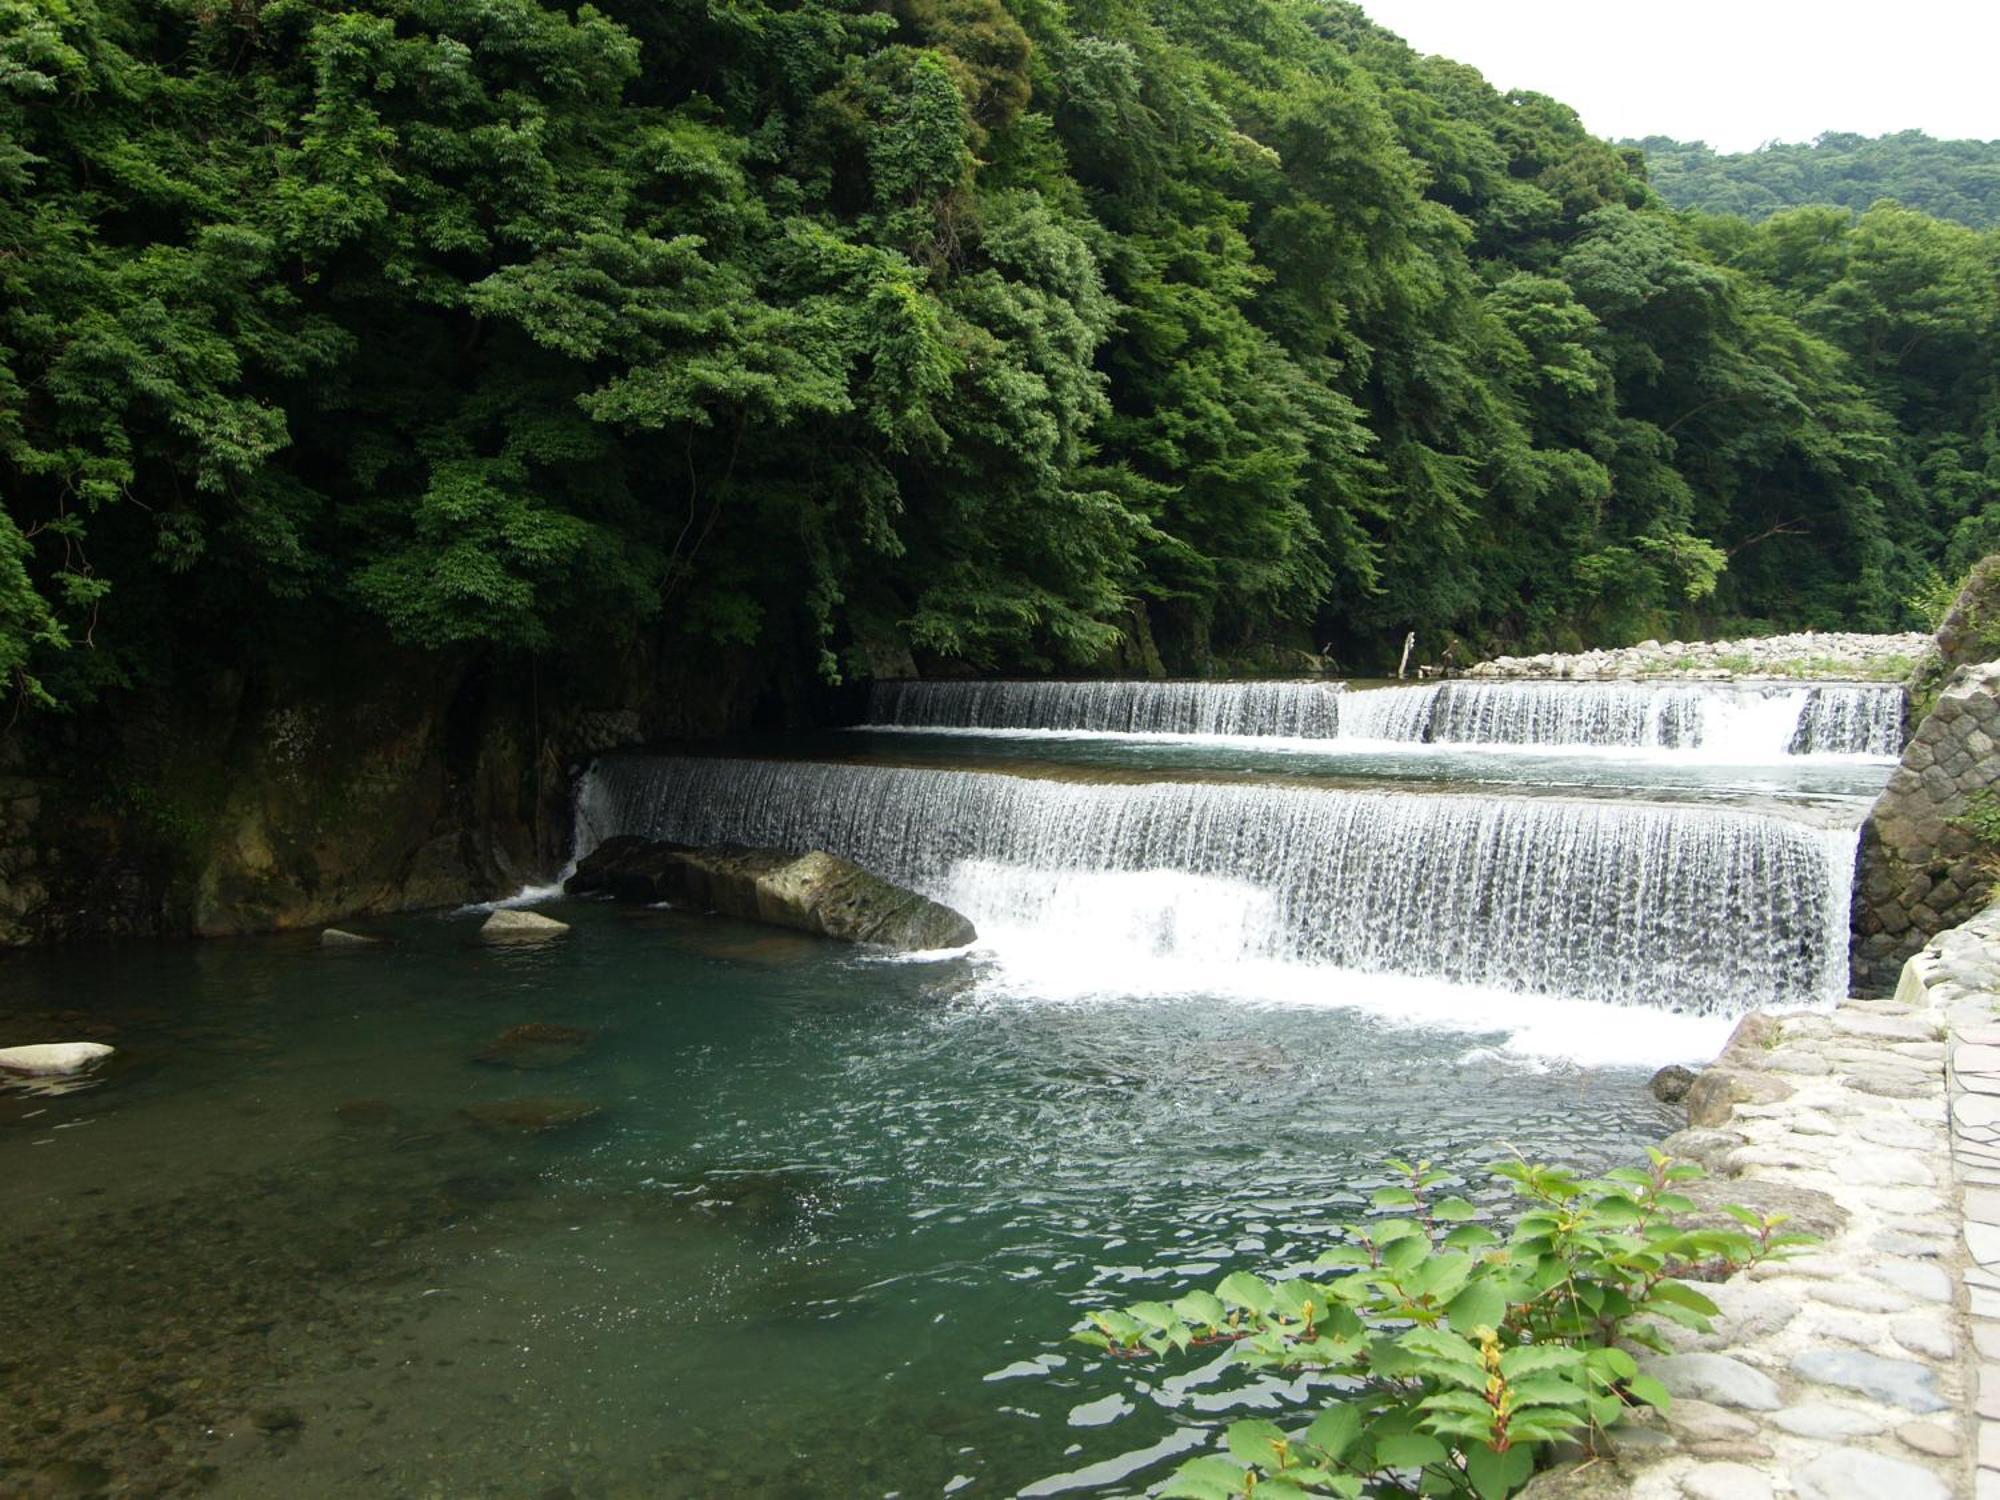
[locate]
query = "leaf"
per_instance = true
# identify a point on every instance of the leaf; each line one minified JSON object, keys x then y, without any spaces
{"x":1441,"y":1277}
{"x":1248,"y":1292}
{"x":1436,"y":1343}
{"x":1680,"y":1294}
{"x":1494,"y":1475}
{"x":1204,"y":1308}
{"x":1343,"y":1255}
{"x":1393,"y":1197}
{"x":1471,"y":1237}
{"x":1531,"y":1359}
{"x":1453,"y":1210}
{"x":1210,"y":1477}
{"x":1408,"y":1450}
{"x":1480,"y":1305}
{"x":1649,"y":1390}
{"x":1256,"y":1441}
{"x":1156,"y":1315}
{"x":1334,"y":1430}
{"x":1612,"y":1362}
{"x":1405,"y":1254}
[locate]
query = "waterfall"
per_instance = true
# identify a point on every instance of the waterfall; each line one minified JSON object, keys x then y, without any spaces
{"x":1692,"y":909}
{"x":1752,"y":722}
{"x":1294,"y":710}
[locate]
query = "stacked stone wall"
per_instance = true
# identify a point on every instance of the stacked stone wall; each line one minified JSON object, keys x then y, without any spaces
{"x":1924,"y":866}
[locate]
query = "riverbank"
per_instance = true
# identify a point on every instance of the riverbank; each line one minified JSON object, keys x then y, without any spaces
{"x":1838,"y":656}
{"x":1853,"y":1371}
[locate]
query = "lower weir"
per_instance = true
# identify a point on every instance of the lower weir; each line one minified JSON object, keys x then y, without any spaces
{"x":1690,"y":909}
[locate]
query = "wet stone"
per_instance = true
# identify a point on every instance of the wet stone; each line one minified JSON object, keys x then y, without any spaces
{"x":1897,"y":1382}
{"x":1932,"y":1438}
{"x":1670,"y":1084}
{"x":1875,"y":1299}
{"x":1732,"y":1448}
{"x":1725,"y":1481}
{"x":1924,"y":1282}
{"x":1824,"y":1419}
{"x":1896,"y":1242}
{"x":1716,"y":1378}
{"x":1926,"y":1335}
{"x":1856,"y":1474}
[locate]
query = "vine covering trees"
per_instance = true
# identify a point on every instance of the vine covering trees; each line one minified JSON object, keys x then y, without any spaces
{"x":989,"y":328}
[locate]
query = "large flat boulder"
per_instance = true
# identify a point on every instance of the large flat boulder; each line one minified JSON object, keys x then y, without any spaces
{"x":813,"y":892}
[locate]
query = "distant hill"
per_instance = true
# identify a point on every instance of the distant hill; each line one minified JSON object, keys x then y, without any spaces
{"x":1957,"y":180}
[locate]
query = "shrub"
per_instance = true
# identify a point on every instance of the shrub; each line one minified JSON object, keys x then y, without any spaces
{"x":1464,"y":1357}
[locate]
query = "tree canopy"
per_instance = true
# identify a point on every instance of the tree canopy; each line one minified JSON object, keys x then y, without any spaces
{"x":1007,"y":332}
{"x":1956,"y":180}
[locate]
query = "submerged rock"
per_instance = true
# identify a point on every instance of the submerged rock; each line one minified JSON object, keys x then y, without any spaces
{"x":531,"y":1116}
{"x":538,"y":1044}
{"x":52,"y":1059}
{"x":510,"y":926}
{"x":814,"y":892}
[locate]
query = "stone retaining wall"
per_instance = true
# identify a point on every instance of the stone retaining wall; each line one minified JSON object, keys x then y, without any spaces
{"x":1920,"y":872}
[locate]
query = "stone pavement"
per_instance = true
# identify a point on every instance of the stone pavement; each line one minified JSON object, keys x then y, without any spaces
{"x":1845,"y":1373}
{"x":1958,"y":976}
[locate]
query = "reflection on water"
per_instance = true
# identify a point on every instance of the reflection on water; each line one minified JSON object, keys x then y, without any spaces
{"x":823,"y":1234}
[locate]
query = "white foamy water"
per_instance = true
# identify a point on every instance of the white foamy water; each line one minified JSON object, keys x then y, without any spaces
{"x":1289,"y":895}
{"x":1744,"y":723}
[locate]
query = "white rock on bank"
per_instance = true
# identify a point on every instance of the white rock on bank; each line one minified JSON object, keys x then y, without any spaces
{"x":509,"y":926}
{"x":52,"y":1059}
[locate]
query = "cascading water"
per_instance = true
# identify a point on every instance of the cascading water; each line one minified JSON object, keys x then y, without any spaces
{"x":1750,"y":722}
{"x":1703,"y":909}
{"x":1298,"y":710}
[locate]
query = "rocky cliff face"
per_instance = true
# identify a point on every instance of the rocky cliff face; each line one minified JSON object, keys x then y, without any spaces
{"x":366,"y":783}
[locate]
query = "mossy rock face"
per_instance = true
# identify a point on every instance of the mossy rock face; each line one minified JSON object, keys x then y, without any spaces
{"x":815,"y":892}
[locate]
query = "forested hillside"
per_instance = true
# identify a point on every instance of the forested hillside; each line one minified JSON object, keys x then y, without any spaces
{"x":993,"y":331}
{"x":1956,"y":180}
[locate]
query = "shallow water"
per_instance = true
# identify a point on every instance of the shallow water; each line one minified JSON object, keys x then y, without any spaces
{"x":827,"y":1237}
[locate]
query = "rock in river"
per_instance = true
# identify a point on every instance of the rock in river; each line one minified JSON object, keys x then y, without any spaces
{"x":538,"y":1044}
{"x":814,"y":892}
{"x":52,"y":1059}
{"x":511,"y":926}
{"x":531,"y":1116}
{"x":1670,"y":1085}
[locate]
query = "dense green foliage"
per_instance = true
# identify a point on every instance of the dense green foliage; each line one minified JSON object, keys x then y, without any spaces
{"x":990,"y":329}
{"x":1463,"y":1358}
{"x":1956,"y":180}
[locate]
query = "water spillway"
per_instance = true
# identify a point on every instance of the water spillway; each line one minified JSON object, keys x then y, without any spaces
{"x":1295,"y":710}
{"x":1750,"y":721}
{"x":1699,"y":909}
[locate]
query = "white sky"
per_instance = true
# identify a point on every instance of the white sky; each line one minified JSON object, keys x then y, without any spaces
{"x":1735,"y":73}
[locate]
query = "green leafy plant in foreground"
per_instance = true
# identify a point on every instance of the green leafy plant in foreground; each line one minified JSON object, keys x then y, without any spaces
{"x":1466,"y":1357}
